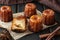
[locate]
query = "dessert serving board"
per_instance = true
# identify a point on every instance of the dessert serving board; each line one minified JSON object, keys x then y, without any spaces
{"x":7,"y":25}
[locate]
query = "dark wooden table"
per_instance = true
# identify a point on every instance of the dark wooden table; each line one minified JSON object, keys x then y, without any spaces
{"x":35,"y":36}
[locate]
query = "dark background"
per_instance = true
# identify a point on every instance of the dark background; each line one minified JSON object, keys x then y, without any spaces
{"x":35,"y":36}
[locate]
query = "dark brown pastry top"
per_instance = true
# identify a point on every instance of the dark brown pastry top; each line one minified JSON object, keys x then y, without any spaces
{"x":6,"y":8}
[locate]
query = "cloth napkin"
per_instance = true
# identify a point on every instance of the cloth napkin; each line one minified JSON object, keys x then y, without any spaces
{"x":53,"y":4}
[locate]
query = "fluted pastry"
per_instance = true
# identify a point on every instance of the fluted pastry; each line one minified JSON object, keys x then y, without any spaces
{"x":35,"y":23}
{"x":6,"y":14}
{"x":48,"y":17}
{"x":30,"y":9}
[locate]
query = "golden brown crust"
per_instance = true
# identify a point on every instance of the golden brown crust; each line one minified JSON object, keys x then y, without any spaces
{"x":17,"y":28}
{"x":35,"y":23}
{"x":21,"y":17}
